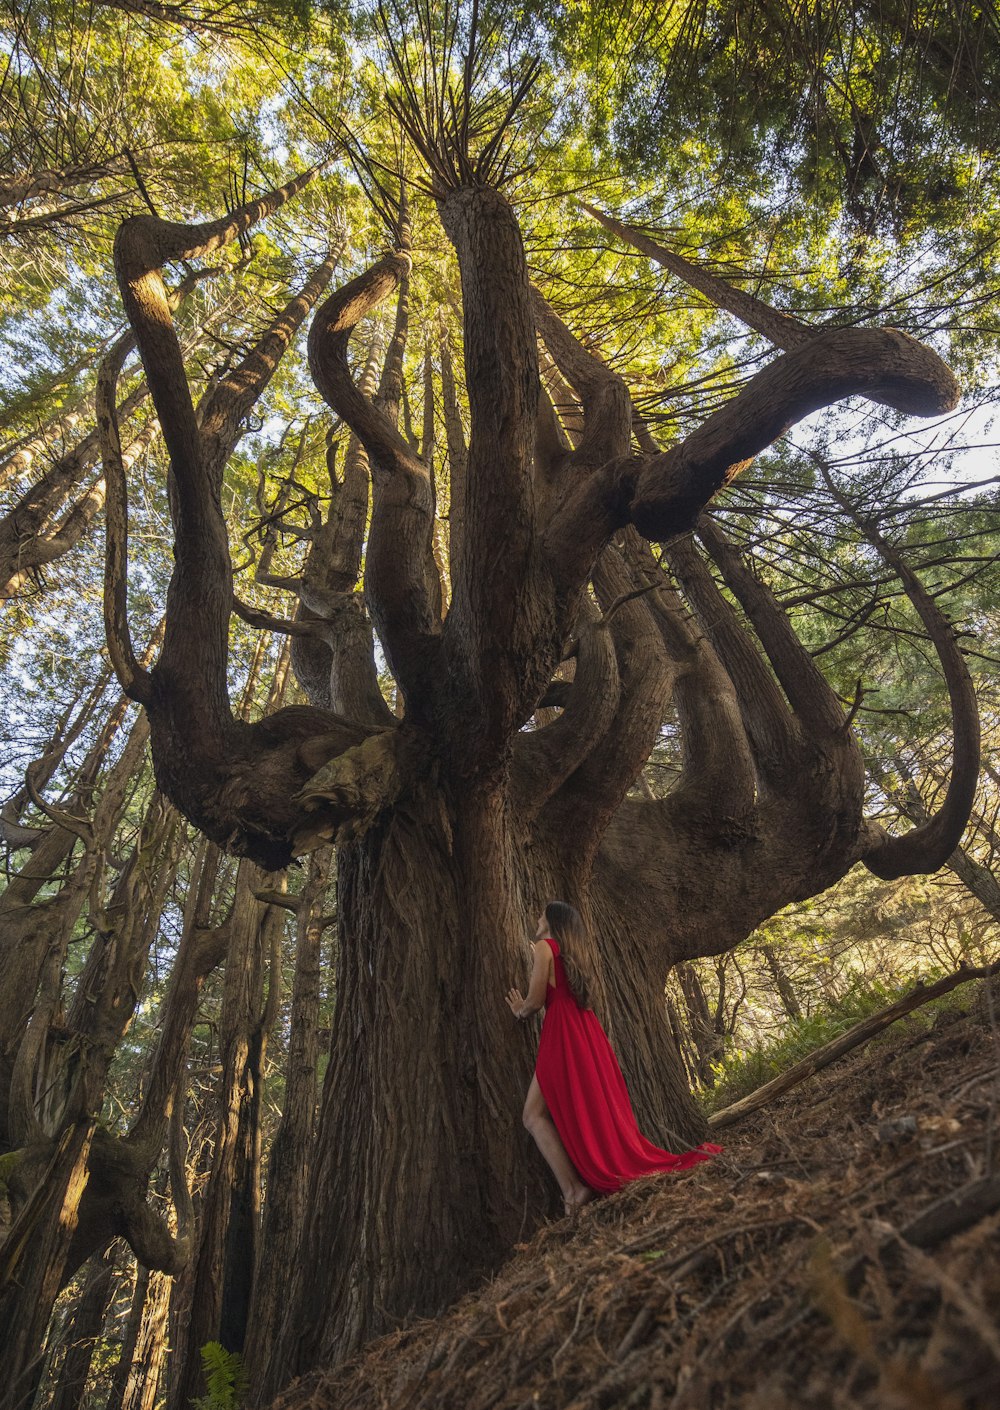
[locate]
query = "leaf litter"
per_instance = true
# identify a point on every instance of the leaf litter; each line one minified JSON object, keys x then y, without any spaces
{"x":844,"y":1251}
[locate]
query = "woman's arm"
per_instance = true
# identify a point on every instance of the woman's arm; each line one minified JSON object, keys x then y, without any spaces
{"x":524,"y":1006}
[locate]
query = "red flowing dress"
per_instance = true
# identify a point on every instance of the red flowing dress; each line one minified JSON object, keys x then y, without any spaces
{"x":587,"y":1098}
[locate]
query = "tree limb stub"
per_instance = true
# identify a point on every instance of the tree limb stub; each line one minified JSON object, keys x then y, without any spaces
{"x":348,"y":794}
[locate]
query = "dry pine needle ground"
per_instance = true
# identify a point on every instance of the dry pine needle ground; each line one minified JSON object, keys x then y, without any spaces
{"x":845,"y":1251}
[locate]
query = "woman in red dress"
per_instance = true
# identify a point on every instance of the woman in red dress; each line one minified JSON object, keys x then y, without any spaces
{"x":578,"y":1108}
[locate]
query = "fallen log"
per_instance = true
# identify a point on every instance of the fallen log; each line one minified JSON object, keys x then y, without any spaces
{"x":862,"y":1032}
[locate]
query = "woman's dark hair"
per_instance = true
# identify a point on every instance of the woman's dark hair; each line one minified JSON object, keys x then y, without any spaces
{"x":568,"y":929}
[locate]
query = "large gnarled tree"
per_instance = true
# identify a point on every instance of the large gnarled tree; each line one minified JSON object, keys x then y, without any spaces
{"x":454,"y":819}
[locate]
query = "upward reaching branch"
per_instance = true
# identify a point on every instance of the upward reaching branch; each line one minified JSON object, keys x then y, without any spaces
{"x":401,"y":606}
{"x":783,"y":330}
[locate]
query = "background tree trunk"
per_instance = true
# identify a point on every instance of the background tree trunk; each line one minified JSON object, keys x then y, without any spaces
{"x":82,"y":1332}
{"x":291,"y":1157}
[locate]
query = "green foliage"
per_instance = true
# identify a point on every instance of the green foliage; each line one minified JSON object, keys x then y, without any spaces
{"x":9,"y":1162}
{"x":226,"y":1378}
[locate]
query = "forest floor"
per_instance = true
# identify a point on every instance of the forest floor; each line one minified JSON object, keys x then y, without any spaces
{"x":843,"y":1251}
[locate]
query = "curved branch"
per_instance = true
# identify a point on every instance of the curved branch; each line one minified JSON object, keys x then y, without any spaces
{"x":664,"y":494}
{"x":928,"y":846}
{"x":222,"y":412}
{"x":265,"y":622}
{"x":674,"y":487}
{"x":80,"y":827}
{"x":235,"y":781}
{"x":594,"y":791}
{"x":814,"y":701}
{"x":132,"y":677}
{"x":147,"y":242}
{"x":717,"y":786}
{"x":770,"y":726}
{"x":331,"y":330}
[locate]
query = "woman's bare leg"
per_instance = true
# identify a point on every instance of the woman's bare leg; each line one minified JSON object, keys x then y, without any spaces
{"x":538,"y":1121}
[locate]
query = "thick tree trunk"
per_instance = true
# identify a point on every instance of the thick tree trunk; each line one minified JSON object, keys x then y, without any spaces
{"x":421,"y":1173}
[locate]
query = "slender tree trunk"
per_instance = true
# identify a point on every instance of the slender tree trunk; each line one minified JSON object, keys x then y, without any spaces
{"x":83,"y":1331}
{"x":223,"y":1274}
{"x":707,"y":1042}
{"x":292,"y":1150}
{"x":784,"y":986}
{"x":29,"y":1287}
{"x":34,"y":938}
{"x":146,"y":1372}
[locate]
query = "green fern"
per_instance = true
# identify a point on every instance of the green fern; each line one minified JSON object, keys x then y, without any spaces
{"x":226,"y":1378}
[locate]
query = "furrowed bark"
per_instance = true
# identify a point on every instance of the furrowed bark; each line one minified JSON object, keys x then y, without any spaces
{"x":135,"y":1381}
{"x":674,"y":487}
{"x":503,"y":633}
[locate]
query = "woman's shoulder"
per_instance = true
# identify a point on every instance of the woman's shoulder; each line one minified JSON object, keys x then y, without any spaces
{"x":547,"y":944}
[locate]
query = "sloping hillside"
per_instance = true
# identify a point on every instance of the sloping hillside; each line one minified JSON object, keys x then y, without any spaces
{"x":845,"y":1251}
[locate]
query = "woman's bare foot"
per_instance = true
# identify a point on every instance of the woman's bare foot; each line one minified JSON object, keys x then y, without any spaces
{"x":578,"y":1197}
